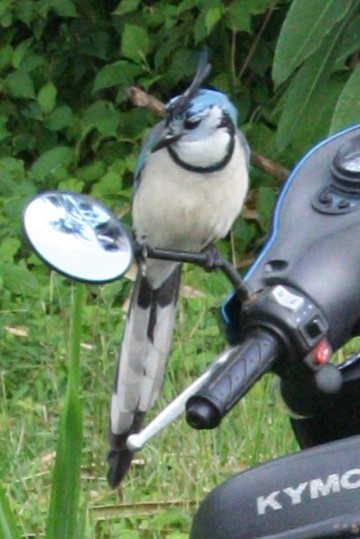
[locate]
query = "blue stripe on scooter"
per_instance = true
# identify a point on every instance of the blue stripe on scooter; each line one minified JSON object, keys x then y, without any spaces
{"x":282,"y":195}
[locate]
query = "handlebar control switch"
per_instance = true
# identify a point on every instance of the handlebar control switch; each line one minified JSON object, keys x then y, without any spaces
{"x":291,"y":301}
{"x":292,"y":315}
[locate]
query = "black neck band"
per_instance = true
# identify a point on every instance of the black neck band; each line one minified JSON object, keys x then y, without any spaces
{"x":213,"y":168}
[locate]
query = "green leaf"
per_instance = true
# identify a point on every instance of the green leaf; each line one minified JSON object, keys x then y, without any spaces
{"x":317,"y":117}
{"x":103,"y":117}
{"x":4,"y":132}
{"x":25,"y":11}
{"x":109,"y":186}
{"x":314,"y":73}
{"x":63,"y":518}
{"x":5,"y":57}
{"x":350,"y":43}
{"x":240,"y":16}
{"x":135,"y":42}
{"x":265,"y":201}
{"x":9,"y":248}
{"x":260,"y":63}
{"x":96,"y":45}
{"x":212,"y":17}
{"x":182,"y":65}
{"x":20,"y":85}
{"x":20,"y":280}
{"x":20,"y":52}
{"x":33,"y":61}
{"x":259,"y":6}
{"x":92,"y":172}
{"x":200,"y":28}
{"x":8,"y":525}
{"x":119,"y":73}
{"x":306,"y":25}
{"x":50,"y":161}
{"x":126,"y":6}
{"x":71,"y":184}
{"x":4,"y":5}
{"x":32,"y":111}
{"x":46,"y":98}
{"x":64,"y":8}
{"x":13,"y":168}
{"x":60,"y":118}
{"x":347,"y":110}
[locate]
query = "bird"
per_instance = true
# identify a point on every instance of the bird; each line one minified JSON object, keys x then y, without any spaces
{"x":191,"y":180}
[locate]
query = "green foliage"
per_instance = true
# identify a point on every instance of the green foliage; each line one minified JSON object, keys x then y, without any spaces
{"x":8,"y":526}
{"x":313,"y":68}
{"x":64,"y":518}
{"x":295,"y":45}
{"x":347,"y":109}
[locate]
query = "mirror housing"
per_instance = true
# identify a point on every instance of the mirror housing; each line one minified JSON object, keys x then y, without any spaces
{"x":77,"y":237}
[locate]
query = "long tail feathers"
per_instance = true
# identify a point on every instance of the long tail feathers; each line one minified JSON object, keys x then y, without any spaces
{"x":141,"y":366}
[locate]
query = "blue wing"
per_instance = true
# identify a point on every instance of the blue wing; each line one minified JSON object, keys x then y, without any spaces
{"x":150,"y":142}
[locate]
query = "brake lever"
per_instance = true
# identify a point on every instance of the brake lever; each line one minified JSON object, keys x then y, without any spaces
{"x":136,"y":442}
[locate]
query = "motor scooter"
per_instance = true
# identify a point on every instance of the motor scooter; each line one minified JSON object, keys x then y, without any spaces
{"x":297,"y":305}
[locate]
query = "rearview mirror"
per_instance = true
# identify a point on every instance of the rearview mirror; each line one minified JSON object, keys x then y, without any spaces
{"x":77,"y":236}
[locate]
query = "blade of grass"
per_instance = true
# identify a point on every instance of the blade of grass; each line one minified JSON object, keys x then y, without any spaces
{"x":64,"y":504}
{"x":8,"y":526}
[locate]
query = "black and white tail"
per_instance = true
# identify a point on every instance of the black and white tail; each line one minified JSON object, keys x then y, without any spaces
{"x":141,"y":365}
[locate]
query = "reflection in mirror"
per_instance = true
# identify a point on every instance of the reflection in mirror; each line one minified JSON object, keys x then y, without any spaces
{"x":77,"y":236}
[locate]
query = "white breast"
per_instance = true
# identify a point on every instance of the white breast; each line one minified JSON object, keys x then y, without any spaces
{"x":206,"y":145}
{"x":175,"y":208}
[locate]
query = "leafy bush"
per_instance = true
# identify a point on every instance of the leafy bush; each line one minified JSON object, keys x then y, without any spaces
{"x":318,"y":50}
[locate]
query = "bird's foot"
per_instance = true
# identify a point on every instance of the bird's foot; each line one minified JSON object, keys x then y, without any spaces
{"x":213,"y":258}
{"x":141,"y":253}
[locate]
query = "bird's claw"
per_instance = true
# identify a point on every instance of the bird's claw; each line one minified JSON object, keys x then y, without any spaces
{"x":213,"y":258}
{"x":142,"y":253}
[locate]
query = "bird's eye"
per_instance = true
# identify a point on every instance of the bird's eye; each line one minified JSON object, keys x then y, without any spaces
{"x":191,"y":123}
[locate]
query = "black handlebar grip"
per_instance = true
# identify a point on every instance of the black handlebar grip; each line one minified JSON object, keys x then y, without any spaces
{"x":232,"y":378}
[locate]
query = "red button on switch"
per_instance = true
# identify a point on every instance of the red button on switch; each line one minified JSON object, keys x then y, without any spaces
{"x":322,"y":353}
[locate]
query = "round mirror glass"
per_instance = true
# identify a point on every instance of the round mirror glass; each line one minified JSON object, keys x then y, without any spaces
{"x":77,"y":236}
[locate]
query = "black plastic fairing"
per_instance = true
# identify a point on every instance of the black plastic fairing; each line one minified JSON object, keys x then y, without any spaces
{"x":311,"y":494}
{"x":315,"y":252}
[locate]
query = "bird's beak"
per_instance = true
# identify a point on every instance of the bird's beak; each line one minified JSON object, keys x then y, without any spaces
{"x":166,"y":136}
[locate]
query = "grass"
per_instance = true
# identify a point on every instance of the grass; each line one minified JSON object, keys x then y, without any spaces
{"x":176,"y":470}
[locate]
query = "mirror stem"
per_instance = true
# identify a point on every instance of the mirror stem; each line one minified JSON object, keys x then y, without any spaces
{"x":200,"y":259}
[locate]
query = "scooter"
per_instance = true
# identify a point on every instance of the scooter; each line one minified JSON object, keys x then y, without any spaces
{"x":297,"y":305}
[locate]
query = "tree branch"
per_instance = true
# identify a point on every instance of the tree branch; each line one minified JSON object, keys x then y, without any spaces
{"x":274,"y":169}
{"x":139,"y":98}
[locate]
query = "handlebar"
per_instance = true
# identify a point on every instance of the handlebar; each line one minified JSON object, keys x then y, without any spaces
{"x":230,"y":381}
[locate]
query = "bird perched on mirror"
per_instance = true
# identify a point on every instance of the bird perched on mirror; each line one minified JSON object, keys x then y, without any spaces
{"x":191,"y":180}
